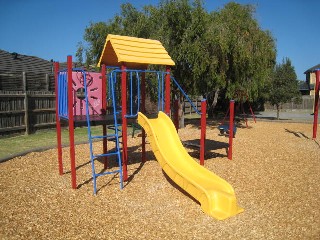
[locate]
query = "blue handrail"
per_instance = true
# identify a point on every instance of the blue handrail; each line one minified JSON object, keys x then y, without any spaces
{"x":185,"y":95}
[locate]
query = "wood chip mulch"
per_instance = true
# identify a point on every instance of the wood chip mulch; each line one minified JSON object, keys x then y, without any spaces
{"x":275,"y":172}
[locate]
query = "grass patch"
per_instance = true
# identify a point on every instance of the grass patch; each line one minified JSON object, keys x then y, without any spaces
{"x":11,"y":146}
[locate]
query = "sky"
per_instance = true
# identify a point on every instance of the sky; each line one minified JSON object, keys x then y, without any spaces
{"x":51,"y":29}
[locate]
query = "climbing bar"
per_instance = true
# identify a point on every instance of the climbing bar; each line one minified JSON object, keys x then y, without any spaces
{"x":105,"y":154}
{"x":185,"y":95}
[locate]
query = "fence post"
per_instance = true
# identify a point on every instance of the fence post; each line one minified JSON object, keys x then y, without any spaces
{"x":26,"y":105}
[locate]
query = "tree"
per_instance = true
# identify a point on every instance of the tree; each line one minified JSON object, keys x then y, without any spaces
{"x":217,"y":54}
{"x":130,"y":22}
{"x":79,"y":53}
{"x":284,"y":85}
{"x":243,"y":52}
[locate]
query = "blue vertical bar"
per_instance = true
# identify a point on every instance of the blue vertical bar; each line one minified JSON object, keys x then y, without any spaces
{"x":138,"y":92}
{"x":131,"y":97}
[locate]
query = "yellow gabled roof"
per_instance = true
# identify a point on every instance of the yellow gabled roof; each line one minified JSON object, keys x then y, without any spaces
{"x":134,"y":52}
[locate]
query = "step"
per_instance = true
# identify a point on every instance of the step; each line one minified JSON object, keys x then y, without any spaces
{"x":106,"y":173}
{"x":105,"y":155}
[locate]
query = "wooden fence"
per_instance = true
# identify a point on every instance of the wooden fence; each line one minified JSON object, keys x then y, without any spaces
{"x":26,"y":111}
{"x":189,"y":109}
{"x":22,"y":81}
{"x":27,"y":101}
{"x":306,"y":104}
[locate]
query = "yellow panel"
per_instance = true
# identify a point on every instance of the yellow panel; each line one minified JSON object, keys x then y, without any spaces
{"x":134,"y":52}
{"x":142,"y":49}
{"x":215,"y":195}
{"x":132,"y":39}
{"x":144,"y":60}
{"x":125,"y":52}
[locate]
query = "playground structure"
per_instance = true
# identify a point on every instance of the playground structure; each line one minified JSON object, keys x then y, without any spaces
{"x":85,"y":101}
{"x":316,"y":104}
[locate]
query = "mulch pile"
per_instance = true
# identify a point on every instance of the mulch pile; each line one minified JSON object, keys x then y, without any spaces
{"x":274,"y":171}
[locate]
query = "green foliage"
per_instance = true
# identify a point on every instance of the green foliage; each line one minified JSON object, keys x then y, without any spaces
{"x":284,"y":85}
{"x":223,"y":52}
{"x":79,"y":54}
{"x":245,"y":53}
{"x":95,"y":35}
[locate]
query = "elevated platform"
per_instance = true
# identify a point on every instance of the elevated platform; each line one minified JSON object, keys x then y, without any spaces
{"x":97,"y":120}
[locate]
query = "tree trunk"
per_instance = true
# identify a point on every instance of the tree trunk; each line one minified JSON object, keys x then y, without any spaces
{"x":212,"y":100}
{"x":278,"y":111}
{"x":180,"y":112}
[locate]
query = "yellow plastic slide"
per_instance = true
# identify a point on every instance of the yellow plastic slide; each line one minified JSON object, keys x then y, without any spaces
{"x":216,"y":196}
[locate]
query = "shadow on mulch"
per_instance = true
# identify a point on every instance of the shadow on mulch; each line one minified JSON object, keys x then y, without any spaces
{"x":133,"y":157}
{"x":176,"y":186}
{"x":297,"y":134}
{"x":196,"y":123}
{"x":210,"y":147}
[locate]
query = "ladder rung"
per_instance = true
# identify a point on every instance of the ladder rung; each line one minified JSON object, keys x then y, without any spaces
{"x":111,"y":135}
{"x":95,"y":137}
{"x":105,"y":154}
{"x":104,"y":136}
{"x":105,"y":173}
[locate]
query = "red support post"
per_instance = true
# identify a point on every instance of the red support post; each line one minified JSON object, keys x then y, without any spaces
{"x":124,"y":122}
{"x":176,"y":114}
{"x":58,"y":125}
{"x":143,"y":109}
{"x":203,"y":130}
{"x":244,"y":114}
{"x":231,"y":129}
{"x":254,"y":117}
{"x":71,"y":124}
{"x":104,"y":107}
{"x":316,"y":105}
{"x":167,"y":91}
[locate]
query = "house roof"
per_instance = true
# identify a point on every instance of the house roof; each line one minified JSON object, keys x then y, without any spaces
{"x":316,"y":67}
{"x":303,"y":86}
{"x":14,"y":62}
{"x":133,"y":52}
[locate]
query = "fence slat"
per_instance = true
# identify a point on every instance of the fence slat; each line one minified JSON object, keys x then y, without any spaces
{"x":306,"y":104}
{"x":26,"y":111}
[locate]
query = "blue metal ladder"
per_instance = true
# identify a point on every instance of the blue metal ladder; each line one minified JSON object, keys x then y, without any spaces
{"x":111,"y":137}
